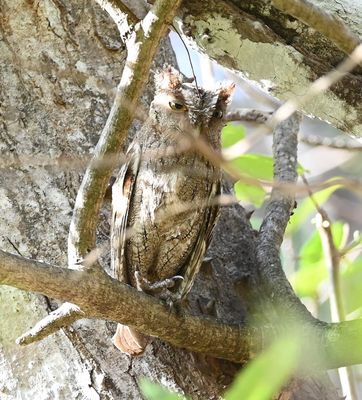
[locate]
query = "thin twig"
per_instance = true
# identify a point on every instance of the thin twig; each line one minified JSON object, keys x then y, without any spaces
{"x":62,"y":317}
{"x":332,"y":256}
{"x":333,"y":260}
{"x":340,"y":143}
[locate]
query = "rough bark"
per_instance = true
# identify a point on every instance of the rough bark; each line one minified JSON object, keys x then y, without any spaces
{"x":281,"y":54}
{"x":60,"y":61}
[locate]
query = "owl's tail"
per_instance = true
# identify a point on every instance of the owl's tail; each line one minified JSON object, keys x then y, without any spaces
{"x":129,"y":341}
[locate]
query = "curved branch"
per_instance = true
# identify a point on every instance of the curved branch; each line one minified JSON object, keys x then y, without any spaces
{"x":100,"y":296}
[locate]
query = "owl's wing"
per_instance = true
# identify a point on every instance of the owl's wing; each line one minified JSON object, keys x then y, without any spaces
{"x":121,"y":193}
{"x":193,"y":264}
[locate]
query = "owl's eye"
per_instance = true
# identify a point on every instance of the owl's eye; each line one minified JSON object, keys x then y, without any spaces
{"x":218,"y":114}
{"x":177,"y":106}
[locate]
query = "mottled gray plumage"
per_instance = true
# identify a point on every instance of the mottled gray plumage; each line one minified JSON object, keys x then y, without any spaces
{"x":161,"y":219}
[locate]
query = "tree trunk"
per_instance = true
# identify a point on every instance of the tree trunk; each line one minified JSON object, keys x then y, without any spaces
{"x":60,"y":61}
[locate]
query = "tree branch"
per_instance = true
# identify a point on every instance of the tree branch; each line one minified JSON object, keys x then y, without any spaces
{"x":62,"y":317}
{"x":100,"y":296}
{"x":331,"y":26}
{"x":279,"y":208}
{"x":340,"y":143}
{"x":249,"y":115}
{"x":319,"y":86}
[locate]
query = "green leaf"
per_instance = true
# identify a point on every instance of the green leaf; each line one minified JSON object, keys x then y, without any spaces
{"x":255,"y":165}
{"x":306,"y":282}
{"x":232,"y":134}
{"x":312,"y":270}
{"x":301,"y":170}
{"x":306,"y":207}
{"x":312,"y":250}
{"x":258,"y":166}
{"x":249,"y":193}
{"x":265,"y":375}
{"x":351,"y":285}
{"x":153,"y":391}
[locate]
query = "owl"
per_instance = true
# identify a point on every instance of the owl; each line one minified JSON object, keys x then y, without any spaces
{"x":164,"y":198}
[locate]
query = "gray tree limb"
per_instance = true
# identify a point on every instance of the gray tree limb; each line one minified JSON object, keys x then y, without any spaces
{"x":263,"y":44}
{"x":95,"y":292}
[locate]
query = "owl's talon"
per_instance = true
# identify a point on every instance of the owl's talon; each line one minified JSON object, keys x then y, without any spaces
{"x":145,"y":285}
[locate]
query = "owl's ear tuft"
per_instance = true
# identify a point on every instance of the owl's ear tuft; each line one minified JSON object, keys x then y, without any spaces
{"x":168,"y":79}
{"x":226,"y":92}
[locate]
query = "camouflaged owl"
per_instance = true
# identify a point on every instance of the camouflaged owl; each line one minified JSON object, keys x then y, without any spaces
{"x":162,"y":218}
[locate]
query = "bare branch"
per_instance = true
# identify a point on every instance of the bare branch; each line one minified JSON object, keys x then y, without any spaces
{"x":340,"y":143}
{"x":102,"y":297}
{"x":330,"y":25}
{"x":249,"y":115}
{"x":64,"y":316}
{"x":275,"y":221}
